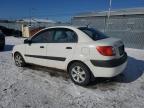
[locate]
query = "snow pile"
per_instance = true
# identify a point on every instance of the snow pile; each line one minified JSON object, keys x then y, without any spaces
{"x":38,"y":87}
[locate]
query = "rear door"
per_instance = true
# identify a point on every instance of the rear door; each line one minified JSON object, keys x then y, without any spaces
{"x":62,"y":47}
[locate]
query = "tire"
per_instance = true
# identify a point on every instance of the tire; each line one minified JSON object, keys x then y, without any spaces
{"x":19,"y":61}
{"x":79,"y":73}
{"x":1,"y":47}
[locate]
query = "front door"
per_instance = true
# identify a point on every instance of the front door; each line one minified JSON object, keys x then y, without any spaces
{"x":36,"y":51}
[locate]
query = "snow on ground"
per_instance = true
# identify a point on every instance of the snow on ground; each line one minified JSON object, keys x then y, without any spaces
{"x":40,"y":87}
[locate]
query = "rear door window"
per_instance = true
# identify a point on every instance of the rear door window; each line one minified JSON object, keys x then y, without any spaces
{"x":63,"y":35}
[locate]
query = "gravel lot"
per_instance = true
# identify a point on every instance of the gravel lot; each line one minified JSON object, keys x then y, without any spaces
{"x":41,"y":87}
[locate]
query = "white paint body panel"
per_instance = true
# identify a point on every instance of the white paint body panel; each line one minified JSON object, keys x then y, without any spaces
{"x":34,"y":49}
{"x":59,"y":50}
{"x":84,"y":51}
{"x":106,"y":72}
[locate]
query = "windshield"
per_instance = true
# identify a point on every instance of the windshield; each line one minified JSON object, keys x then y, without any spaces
{"x":93,"y":34}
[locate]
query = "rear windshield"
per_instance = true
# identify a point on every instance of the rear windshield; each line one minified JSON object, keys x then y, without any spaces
{"x":93,"y":34}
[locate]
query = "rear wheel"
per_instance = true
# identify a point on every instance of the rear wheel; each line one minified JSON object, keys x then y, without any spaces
{"x":19,"y":61}
{"x":79,"y":73}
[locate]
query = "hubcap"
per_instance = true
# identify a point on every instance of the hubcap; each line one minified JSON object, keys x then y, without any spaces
{"x":18,"y":60}
{"x":78,"y":74}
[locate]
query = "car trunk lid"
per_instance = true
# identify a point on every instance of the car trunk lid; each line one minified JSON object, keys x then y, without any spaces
{"x":117,"y":44}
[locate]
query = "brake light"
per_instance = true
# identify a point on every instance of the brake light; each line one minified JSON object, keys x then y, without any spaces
{"x":106,"y":50}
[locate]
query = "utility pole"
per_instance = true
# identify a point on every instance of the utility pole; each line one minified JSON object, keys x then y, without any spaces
{"x":31,"y":15}
{"x":108,"y":14}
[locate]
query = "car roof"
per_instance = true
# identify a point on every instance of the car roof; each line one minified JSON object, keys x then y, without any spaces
{"x":76,"y":27}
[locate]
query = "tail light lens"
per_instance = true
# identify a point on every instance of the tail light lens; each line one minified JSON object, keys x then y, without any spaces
{"x":106,"y":50}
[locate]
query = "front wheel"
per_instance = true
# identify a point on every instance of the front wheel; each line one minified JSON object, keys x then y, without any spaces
{"x":19,"y":61}
{"x":2,"y":46}
{"x":79,"y":73}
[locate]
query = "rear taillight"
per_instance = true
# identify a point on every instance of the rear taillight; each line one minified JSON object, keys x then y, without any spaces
{"x":106,"y":50}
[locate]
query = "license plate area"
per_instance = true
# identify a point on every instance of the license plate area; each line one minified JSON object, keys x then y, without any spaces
{"x":121,"y":50}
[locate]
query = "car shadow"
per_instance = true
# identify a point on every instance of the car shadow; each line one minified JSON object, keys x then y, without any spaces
{"x":8,"y":47}
{"x":133,"y":71}
{"x":53,"y":72}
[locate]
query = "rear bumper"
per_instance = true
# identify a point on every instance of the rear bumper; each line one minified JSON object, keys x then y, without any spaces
{"x":110,"y":63}
{"x":108,"y":68}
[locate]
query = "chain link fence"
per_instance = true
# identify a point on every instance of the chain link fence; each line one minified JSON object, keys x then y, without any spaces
{"x":129,"y":28}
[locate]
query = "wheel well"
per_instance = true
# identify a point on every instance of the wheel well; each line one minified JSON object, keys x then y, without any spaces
{"x":74,"y":61}
{"x":92,"y":76}
{"x":17,"y":53}
{"x":20,"y":54}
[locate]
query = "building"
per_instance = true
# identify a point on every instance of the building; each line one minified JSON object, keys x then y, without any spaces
{"x":30,"y":26}
{"x":10,"y":27}
{"x":27,"y":27}
{"x":126,"y":24}
{"x":11,"y":24}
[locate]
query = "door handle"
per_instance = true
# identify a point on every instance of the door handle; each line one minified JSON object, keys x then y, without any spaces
{"x":68,"y":47}
{"x":41,"y":46}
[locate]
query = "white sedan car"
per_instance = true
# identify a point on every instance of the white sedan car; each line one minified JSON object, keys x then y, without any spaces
{"x":83,"y":52}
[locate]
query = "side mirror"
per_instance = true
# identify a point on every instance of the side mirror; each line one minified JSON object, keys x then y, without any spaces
{"x":27,"y":41}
